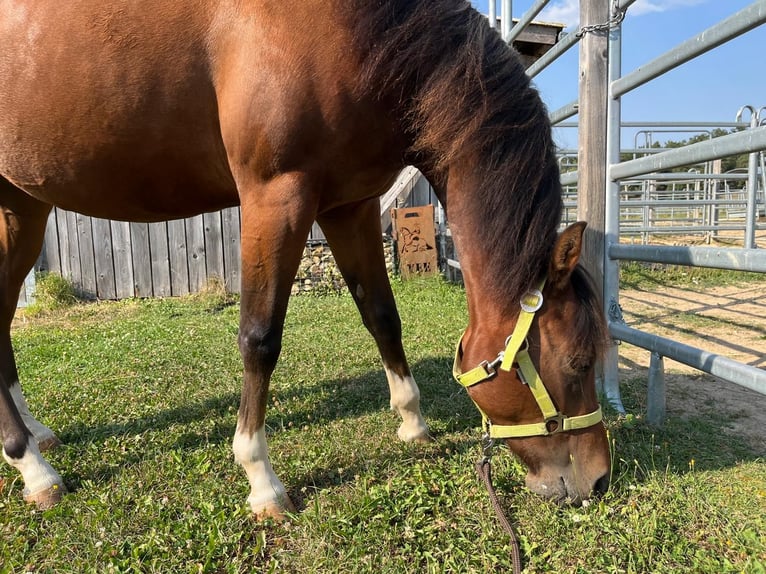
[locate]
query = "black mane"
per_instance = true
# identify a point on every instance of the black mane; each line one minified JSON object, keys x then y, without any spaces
{"x":464,"y":99}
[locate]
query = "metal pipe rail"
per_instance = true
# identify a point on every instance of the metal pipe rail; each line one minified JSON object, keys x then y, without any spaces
{"x":746,"y":19}
{"x":731,"y":144}
{"x":679,"y":177}
{"x":670,"y":203}
{"x":688,"y":229}
{"x":752,"y":140}
{"x":719,"y":258}
{"x":559,"y":48}
{"x":728,"y":369}
{"x":525,"y":20}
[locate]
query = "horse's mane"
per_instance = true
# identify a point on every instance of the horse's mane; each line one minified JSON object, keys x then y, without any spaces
{"x":463,"y":96}
{"x":591,"y":335}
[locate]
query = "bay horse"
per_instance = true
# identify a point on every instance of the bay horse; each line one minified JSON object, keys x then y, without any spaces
{"x":146,"y":110}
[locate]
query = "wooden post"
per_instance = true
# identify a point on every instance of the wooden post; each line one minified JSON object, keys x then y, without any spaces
{"x":591,"y":154}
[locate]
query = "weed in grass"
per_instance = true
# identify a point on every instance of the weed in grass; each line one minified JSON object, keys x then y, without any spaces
{"x":52,"y":292}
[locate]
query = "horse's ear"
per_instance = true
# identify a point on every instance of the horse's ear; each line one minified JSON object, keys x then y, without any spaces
{"x":566,"y":254}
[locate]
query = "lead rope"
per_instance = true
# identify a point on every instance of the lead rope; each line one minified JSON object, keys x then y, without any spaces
{"x":484,"y":470}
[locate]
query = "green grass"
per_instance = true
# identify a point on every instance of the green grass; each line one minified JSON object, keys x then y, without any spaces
{"x":144,"y":395}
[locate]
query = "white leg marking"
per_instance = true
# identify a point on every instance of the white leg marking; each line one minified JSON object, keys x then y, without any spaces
{"x":405,"y":399}
{"x":41,"y":432}
{"x":38,"y":475}
{"x":252,"y":453}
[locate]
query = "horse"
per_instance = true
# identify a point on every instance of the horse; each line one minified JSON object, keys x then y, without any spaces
{"x":300,"y":112}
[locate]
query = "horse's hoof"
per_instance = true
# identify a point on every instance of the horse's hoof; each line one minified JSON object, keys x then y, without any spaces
{"x":419,"y":435}
{"x":49,"y":443}
{"x":46,"y":498}
{"x":424,"y":439}
{"x":278,"y":511}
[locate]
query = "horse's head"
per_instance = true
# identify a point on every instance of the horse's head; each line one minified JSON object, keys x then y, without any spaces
{"x":533,"y":379}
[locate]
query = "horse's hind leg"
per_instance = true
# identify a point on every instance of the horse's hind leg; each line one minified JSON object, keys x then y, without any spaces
{"x":354,"y":235}
{"x":22,"y":227}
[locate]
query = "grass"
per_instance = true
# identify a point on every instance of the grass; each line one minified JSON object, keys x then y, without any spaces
{"x":144,"y":395}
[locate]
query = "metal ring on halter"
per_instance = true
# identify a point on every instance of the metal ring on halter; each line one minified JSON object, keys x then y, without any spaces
{"x":536,"y":306}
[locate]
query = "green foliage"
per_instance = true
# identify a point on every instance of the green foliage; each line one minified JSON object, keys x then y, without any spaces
{"x":52,"y":292}
{"x":144,"y":394}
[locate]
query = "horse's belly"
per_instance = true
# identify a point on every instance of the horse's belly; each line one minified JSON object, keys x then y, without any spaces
{"x":108,"y":111}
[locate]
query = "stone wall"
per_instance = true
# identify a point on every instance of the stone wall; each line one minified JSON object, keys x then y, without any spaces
{"x":319,"y":274}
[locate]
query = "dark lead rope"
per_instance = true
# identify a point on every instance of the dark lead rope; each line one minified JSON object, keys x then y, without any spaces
{"x":484,"y":470}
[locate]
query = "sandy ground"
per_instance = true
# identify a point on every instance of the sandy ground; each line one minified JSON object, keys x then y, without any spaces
{"x":728,"y":320}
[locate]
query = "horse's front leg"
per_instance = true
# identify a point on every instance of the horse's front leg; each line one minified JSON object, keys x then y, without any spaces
{"x":22,"y":437}
{"x":273,"y":238}
{"x":355,"y":237}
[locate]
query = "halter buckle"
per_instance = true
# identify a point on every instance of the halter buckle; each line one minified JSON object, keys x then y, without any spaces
{"x":532,"y":305}
{"x":554,"y":424}
{"x":490,"y":367}
{"x":487,"y":444}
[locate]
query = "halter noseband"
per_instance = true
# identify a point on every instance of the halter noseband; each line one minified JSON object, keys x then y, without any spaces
{"x":517,"y":351}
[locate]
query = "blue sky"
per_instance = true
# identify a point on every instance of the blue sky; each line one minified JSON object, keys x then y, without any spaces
{"x":710,"y":88}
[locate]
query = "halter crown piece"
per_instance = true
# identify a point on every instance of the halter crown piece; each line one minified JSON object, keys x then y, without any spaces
{"x":517,"y":352}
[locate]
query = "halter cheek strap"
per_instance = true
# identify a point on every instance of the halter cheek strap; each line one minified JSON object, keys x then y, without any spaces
{"x":517,"y":351}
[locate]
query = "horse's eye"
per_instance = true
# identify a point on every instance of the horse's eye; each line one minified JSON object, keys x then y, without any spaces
{"x":579,"y":364}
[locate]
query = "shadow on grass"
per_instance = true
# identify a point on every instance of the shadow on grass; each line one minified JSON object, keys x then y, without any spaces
{"x":447,"y":408}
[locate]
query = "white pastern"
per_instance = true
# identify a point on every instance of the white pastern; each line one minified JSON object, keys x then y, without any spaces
{"x":252,"y":453}
{"x":41,"y":432}
{"x":38,"y":475}
{"x":405,"y":399}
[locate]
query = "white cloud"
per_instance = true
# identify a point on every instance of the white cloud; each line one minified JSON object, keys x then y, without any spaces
{"x":649,"y":6}
{"x":564,"y":12}
{"x":568,"y":11}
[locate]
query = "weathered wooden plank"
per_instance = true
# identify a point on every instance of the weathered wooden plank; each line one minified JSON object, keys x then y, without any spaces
{"x":160,"y":259}
{"x":591,"y":161}
{"x":50,"y":257}
{"x":23,"y":300}
{"x":179,"y":257}
{"x":104,"y":258}
{"x":195,"y":248}
{"x":316,"y":233}
{"x":123,"y":260}
{"x":214,"y":245}
{"x":87,"y":256}
{"x":75,"y":270}
{"x":142,"y":267}
{"x":62,"y":231}
{"x":231,"y":247}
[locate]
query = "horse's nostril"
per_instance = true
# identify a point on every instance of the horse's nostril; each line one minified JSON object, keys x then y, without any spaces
{"x":602,"y":485}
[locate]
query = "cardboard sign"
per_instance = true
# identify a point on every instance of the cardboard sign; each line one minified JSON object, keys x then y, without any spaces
{"x":415,"y":238}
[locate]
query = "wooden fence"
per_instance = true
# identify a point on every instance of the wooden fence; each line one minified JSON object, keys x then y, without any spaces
{"x":107,"y":259}
{"x":113,"y":259}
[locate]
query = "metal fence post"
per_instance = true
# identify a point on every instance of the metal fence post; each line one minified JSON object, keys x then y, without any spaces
{"x":612,"y":219}
{"x":29,"y":287}
{"x":752,"y":181}
{"x":656,"y":394}
{"x":506,"y":18}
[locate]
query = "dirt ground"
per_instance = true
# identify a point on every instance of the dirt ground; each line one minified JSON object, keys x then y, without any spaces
{"x":728,"y":320}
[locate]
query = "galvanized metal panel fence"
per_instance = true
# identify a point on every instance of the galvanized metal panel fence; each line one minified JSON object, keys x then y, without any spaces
{"x":752,"y":140}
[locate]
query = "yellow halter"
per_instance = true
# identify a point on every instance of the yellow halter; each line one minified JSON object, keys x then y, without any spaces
{"x":517,"y":351}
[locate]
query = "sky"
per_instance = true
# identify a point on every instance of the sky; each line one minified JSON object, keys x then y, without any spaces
{"x":710,"y":88}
